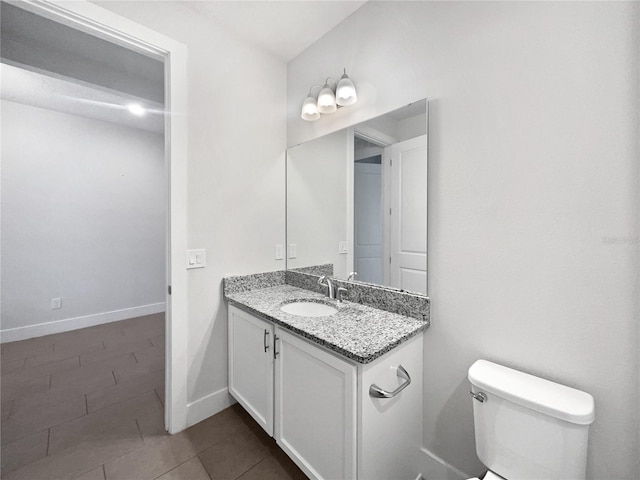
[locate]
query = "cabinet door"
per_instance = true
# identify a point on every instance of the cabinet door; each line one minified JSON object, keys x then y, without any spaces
{"x":315,"y":415}
{"x":251,"y":365}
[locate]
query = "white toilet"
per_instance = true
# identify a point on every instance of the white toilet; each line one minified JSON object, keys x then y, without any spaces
{"x":528,"y":428}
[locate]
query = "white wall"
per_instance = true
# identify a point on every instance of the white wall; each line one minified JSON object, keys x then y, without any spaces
{"x":317,"y":192}
{"x":533,"y":166}
{"x":83,"y":219}
{"x":237,"y":132}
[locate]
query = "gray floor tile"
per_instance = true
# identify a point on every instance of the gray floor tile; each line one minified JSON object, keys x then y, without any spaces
{"x":137,"y":332}
{"x":40,"y":371}
{"x":85,"y":380}
{"x":25,"y":389}
{"x":117,"y":419}
{"x":189,"y":470}
{"x":140,"y":369}
{"x":26,"y":348}
{"x":272,"y":468}
{"x":90,"y":428}
{"x":24,"y":451}
{"x":111,"y":363}
{"x":150,"y":355}
{"x":229,"y":459}
{"x":152,"y":426}
{"x":48,"y":357}
{"x":78,"y":346}
{"x":136,"y":407}
{"x":154,"y":458}
{"x":229,"y":423}
{"x":75,"y":388}
{"x":78,"y":459}
{"x":95,"y":474}
{"x":123,"y":436}
{"x":159,"y":340}
{"x":5,"y":409}
{"x":115,"y":349}
{"x":25,"y":422}
{"x":12,"y":366}
{"x":125,"y":390}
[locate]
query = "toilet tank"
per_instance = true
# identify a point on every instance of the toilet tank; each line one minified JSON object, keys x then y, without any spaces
{"x":528,"y":427}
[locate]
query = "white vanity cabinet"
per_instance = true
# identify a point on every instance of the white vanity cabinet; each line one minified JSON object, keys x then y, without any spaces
{"x":322,"y":412}
{"x":315,"y":415}
{"x":251,"y":365}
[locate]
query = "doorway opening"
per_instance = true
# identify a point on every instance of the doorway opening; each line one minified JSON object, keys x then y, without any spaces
{"x":116,"y":213}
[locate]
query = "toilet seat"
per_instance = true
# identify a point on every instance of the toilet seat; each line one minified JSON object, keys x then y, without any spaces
{"x":490,"y":476}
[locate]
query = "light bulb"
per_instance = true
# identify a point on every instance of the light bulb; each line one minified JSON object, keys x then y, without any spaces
{"x":346,"y":92}
{"x":310,"y":109}
{"x":136,"y":109}
{"x":326,"y":100}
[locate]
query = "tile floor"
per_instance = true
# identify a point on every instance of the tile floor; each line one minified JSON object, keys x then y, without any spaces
{"x":88,"y":405}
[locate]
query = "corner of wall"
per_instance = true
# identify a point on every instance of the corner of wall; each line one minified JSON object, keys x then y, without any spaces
{"x":435,"y":468}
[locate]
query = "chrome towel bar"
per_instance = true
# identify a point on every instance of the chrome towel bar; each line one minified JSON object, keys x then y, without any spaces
{"x":377,"y":392}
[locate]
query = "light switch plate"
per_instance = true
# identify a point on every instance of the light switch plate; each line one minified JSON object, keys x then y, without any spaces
{"x":279,"y":252}
{"x":293,"y":250}
{"x":196,"y":258}
{"x":56,"y":303}
{"x":342,"y":247}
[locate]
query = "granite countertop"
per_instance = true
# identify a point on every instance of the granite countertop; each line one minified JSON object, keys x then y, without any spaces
{"x":357,"y":332}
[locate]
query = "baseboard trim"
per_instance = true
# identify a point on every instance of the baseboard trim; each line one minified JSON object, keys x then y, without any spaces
{"x":67,"y":324}
{"x":435,"y":468}
{"x":208,"y":405}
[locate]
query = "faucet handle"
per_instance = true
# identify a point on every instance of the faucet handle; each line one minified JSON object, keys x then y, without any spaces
{"x":352,"y":276}
{"x":322,"y":279}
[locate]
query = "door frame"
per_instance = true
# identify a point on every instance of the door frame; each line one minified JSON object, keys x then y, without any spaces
{"x":383,"y":141}
{"x":107,"y":25}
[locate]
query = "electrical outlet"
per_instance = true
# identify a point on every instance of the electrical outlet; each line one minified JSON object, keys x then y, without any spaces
{"x":56,"y":303}
{"x":293,"y":250}
{"x":279,"y":255}
{"x":342,"y":247}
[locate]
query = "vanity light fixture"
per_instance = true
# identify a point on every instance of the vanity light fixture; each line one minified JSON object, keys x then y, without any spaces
{"x":342,"y":94}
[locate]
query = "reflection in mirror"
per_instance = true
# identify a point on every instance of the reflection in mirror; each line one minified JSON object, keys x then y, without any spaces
{"x":357,"y":199}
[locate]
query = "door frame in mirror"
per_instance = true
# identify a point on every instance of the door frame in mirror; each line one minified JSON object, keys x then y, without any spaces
{"x":383,"y":140}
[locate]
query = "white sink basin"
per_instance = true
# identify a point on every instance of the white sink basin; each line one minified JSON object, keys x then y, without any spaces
{"x":304,"y":308}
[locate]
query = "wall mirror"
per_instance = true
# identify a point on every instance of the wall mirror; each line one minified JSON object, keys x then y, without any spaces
{"x":357,"y":199}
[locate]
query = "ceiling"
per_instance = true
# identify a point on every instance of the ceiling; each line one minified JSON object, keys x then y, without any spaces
{"x":77,"y":98}
{"x":283,"y":28}
{"x":49,"y":65}
{"x":48,"y":46}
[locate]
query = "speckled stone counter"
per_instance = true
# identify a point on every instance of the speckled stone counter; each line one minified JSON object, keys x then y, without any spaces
{"x":357,"y":332}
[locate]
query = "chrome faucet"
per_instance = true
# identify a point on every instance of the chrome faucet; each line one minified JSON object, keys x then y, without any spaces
{"x":330,"y":289}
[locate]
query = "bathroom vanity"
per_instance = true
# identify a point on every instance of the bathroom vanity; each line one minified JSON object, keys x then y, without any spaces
{"x":339,"y":384}
{"x":318,"y":384}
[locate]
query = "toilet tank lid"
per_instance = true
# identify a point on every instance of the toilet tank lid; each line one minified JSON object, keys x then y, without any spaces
{"x":533,"y":392}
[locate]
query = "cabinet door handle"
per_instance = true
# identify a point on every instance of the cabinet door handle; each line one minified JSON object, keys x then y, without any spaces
{"x":275,"y":347}
{"x":266,"y":340}
{"x":377,"y":392}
